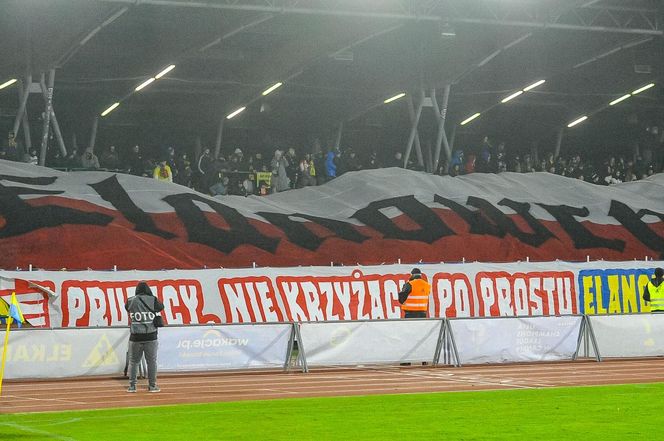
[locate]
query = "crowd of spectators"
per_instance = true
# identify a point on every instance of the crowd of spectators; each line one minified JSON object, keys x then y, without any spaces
{"x":238,"y":173}
{"x":603,"y":170}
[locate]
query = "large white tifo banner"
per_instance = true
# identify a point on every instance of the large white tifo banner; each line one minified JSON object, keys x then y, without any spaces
{"x":271,"y":295}
{"x":103,"y":220}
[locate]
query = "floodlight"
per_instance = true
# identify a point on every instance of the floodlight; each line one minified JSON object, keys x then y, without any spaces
{"x":110,"y":109}
{"x":164,"y":72}
{"x":447,"y":30}
{"x":272,"y":89}
{"x":237,"y":112}
{"x":394,"y":98}
{"x":641,"y":89}
{"x":622,"y":98}
{"x":511,"y":97}
{"x":534,"y":85}
{"x":469,"y":119}
{"x":144,"y":84}
{"x":577,"y":121}
{"x":7,"y":83}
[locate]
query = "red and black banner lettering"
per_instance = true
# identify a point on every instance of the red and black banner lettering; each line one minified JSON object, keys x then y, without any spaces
{"x":51,"y":219}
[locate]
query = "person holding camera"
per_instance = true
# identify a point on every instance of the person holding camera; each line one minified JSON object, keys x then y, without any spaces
{"x":143,"y":311}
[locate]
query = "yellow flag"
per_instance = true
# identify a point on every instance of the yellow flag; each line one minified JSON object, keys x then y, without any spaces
{"x":15,"y":310}
{"x":4,"y":308}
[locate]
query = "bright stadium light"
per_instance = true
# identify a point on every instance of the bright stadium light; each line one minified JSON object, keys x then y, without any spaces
{"x":641,"y":89}
{"x":577,"y":121}
{"x":469,"y":119}
{"x":144,"y":84}
{"x":534,"y":85}
{"x":164,"y":72}
{"x":511,"y":97}
{"x":622,"y":98}
{"x":7,"y":83}
{"x":394,"y":98}
{"x":235,"y":113}
{"x":272,"y":89}
{"x":110,"y":109}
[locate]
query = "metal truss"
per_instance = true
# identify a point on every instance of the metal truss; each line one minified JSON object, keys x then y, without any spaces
{"x":391,"y":9}
{"x":565,"y":15}
{"x":590,"y":16}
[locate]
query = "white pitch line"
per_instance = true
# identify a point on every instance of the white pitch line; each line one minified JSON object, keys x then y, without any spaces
{"x":60,"y":423}
{"x":38,"y":432}
{"x":278,"y":391}
{"x":481,"y":381}
{"x":46,"y":399}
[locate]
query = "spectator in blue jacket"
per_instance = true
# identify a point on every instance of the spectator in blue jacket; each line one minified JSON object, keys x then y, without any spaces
{"x":330,"y":166}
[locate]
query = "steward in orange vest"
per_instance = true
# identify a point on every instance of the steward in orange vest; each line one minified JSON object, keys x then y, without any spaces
{"x":414,"y":295}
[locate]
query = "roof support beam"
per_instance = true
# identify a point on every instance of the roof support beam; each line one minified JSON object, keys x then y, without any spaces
{"x":549,"y":25}
{"x":47,"y":115}
{"x":236,"y":31}
{"x":220,"y":135}
{"x":88,"y":36}
{"x":27,"y":137}
{"x":413,"y":130}
{"x":93,"y":133}
{"x":411,"y":115}
{"x":274,"y":9}
{"x":441,"y":136}
{"x":580,"y":24}
{"x":54,"y":119}
{"x":23,"y":100}
{"x":340,"y":132}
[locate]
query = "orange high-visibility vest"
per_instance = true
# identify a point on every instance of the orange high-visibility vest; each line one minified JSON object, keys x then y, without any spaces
{"x":418,"y":299}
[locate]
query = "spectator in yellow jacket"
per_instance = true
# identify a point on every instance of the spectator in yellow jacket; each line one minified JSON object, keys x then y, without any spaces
{"x":162,"y":172}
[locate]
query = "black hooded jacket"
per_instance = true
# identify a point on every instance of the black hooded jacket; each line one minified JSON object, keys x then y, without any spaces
{"x":142,"y":304}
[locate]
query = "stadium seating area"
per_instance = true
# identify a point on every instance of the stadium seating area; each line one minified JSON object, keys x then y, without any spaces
{"x":237,"y":173}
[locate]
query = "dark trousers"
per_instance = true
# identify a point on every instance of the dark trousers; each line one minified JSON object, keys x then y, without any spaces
{"x":415,"y":314}
{"x":136,"y":351}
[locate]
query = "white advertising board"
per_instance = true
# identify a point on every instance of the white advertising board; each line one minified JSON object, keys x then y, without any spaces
{"x":634,"y":335}
{"x":196,"y":348}
{"x":383,"y":342}
{"x":516,"y":339}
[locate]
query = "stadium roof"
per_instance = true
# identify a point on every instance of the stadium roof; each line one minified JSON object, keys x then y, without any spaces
{"x":338,"y":60}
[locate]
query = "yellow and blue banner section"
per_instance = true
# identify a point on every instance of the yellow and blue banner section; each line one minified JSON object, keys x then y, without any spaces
{"x":613,"y":291}
{"x":9,"y":313}
{"x":4,"y":311}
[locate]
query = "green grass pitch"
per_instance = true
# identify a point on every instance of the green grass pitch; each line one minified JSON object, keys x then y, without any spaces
{"x":623,"y":412}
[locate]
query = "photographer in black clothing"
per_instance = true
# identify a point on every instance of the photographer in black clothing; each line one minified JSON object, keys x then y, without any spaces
{"x":142,"y":308}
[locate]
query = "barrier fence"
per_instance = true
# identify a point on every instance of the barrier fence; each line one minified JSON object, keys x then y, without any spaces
{"x":73,"y":352}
